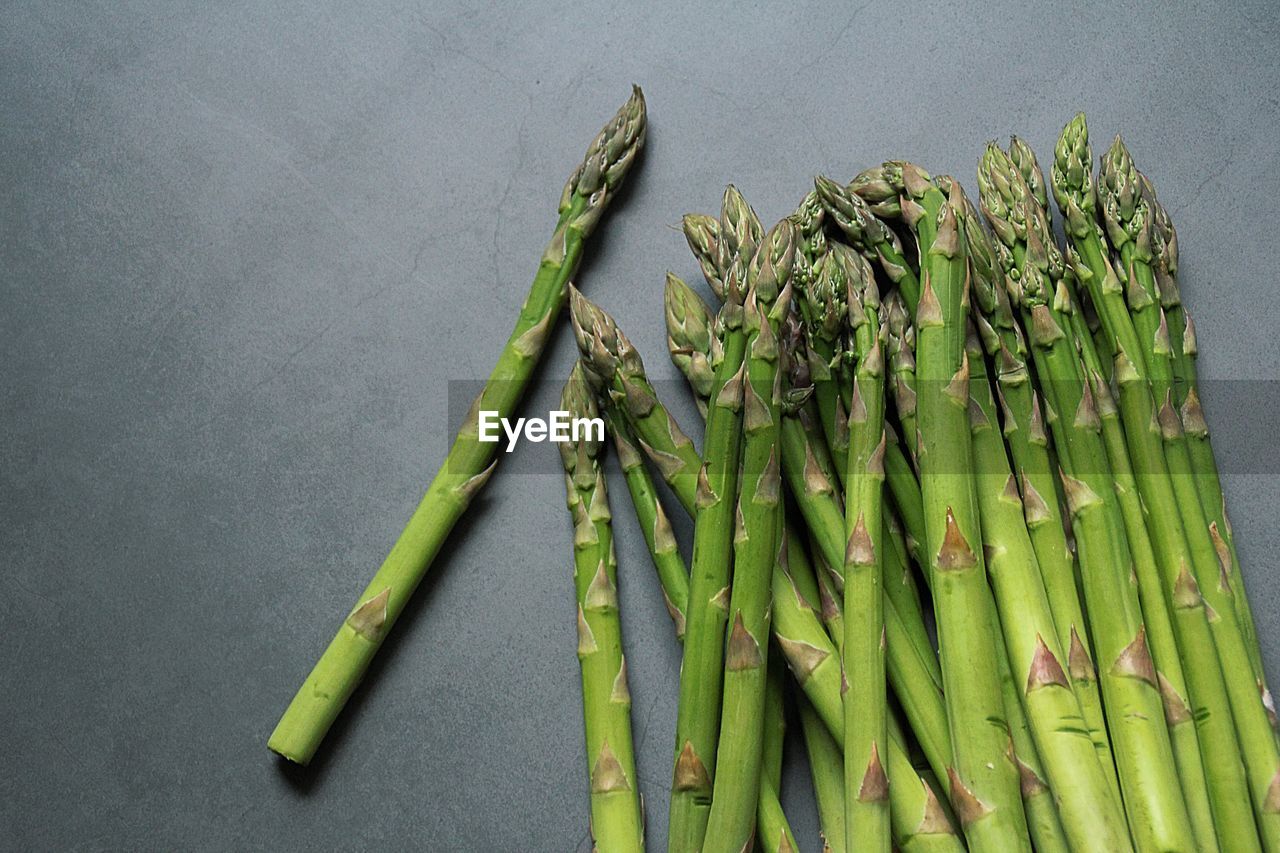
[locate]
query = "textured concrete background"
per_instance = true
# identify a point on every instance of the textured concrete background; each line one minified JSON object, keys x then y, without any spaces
{"x":245,"y":248}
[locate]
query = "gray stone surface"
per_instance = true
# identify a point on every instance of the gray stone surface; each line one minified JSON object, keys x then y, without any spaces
{"x":244,"y":248}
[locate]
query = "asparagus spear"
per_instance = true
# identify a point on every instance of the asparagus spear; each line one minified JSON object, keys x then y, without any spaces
{"x":673,"y":574}
{"x":865,"y":699}
{"x":984,"y":783}
{"x":470,"y":462}
{"x":827,"y":772}
{"x":772,"y":828}
{"x":617,"y":822}
{"x":1023,"y":427}
{"x":1090,"y":814}
{"x":1182,"y":339}
{"x":1184,"y":740}
{"x":697,"y":724}
{"x":755,"y":544}
{"x":1153,"y":797}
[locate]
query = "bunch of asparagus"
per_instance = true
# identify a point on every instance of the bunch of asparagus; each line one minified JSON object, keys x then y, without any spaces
{"x":955,"y":511}
{"x":919,"y":407}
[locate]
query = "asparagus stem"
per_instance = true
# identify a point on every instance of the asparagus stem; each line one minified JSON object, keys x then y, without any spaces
{"x":617,"y":822}
{"x":698,"y":719}
{"x":865,"y":699}
{"x":1090,"y":814}
{"x":1182,"y":339}
{"x":673,"y":574}
{"x":1140,"y":741}
{"x":756,"y":546}
{"x":470,"y":462}
{"x":827,"y":772}
{"x":984,"y":783}
{"x":772,"y":828}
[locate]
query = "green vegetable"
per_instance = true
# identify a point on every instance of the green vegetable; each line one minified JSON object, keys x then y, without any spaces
{"x":470,"y":461}
{"x":617,"y":822}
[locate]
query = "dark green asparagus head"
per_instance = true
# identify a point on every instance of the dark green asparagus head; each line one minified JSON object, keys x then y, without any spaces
{"x":769,"y":273}
{"x":1004,"y":197}
{"x":867,"y":233}
{"x":740,"y":235}
{"x":794,"y":363}
{"x":1024,"y":160}
{"x":1125,"y":211}
{"x":608,"y":358}
{"x":881,"y":187}
{"x":825,"y":306}
{"x":581,"y":454}
{"x":691,"y":336}
{"x":702,"y":233}
{"x":809,"y":218}
{"x":607,"y":161}
{"x":1164,"y":245}
{"x":1072,"y":174}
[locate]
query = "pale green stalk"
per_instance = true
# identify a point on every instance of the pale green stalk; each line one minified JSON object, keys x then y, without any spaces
{"x":865,"y":697}
{"x":756,"y":546}
{"x":984,"y":783}
{"x":617,"y":820}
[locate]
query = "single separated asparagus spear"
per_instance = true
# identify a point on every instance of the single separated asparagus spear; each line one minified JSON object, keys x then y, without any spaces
{"x":755,"y":545}
{"x":617,"y":821}
{"x":984,"y":783}
{"x":470,"y":462}
{"x":866,"y":800}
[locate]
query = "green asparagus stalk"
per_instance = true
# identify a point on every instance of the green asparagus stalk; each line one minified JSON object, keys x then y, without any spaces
{"x":1161,"y":638}
{"x":756,"y":545}
{"x":984,"y":782}
{"x":772,"y":827}
{"x":1090,"y":814}
{"x":865,"y":698}
{"x":1023,"y":429}
{"x":698,"y":719}
{"x":1180,"y":541}
{"x":470,"y":461}
{"x":1182,"y":339}
{"x":827,"y":773}
{"x":617,"y":822}
{"x":673,"y":574}
{"x":1140,"y":741}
